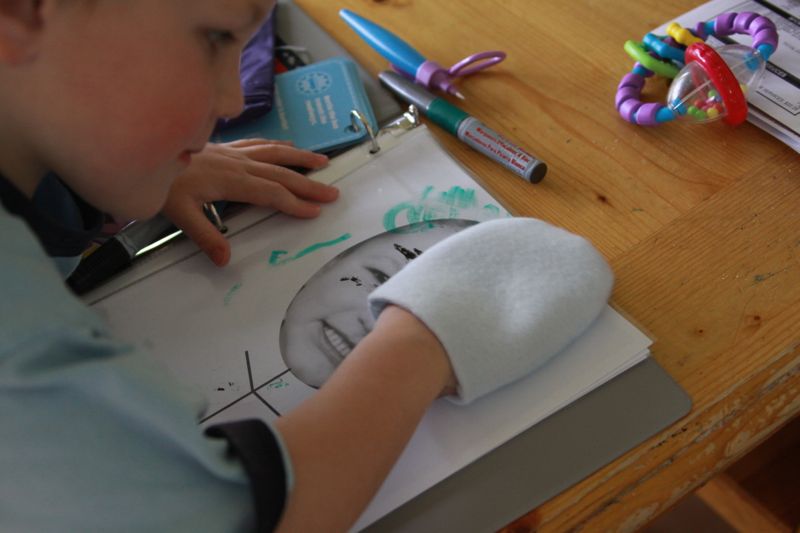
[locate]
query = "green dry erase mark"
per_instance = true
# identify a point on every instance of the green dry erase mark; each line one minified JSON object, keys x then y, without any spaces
{"x":274,"y":257}
{"x":277,"y":256}
{"x":493,"y":209}
{"x":457,"y":197}
{"x":758,"y":278}
{"x":278,"y":384}
{"x":231,"y":292}
{"x":455,"y":202}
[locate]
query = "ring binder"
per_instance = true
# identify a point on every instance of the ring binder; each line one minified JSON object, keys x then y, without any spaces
{"x":357,"y":116}
{"x":407,"y":121}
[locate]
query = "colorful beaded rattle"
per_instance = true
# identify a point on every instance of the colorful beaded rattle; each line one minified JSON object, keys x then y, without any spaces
{"x":708,"y":84}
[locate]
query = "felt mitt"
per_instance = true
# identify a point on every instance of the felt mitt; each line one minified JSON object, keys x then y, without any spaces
{"x":503,"y":297}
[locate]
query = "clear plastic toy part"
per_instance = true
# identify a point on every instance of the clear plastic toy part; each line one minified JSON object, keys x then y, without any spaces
{"x":695,"y":96}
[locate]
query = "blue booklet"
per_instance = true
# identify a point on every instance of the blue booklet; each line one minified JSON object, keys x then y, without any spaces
{"x":311,"y":107}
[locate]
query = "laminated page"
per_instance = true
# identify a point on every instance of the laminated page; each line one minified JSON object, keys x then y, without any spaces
{"x":258,"y":337}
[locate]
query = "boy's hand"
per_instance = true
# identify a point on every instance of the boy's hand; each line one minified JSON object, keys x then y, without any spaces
{"x":251,"y":171}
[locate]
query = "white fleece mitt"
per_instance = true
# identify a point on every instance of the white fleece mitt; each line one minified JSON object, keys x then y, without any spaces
{"x":503,"y":297}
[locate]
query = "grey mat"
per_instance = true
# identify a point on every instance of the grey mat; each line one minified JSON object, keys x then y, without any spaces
{"x":548,"y":458}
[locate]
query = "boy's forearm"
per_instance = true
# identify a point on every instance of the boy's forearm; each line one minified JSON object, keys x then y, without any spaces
{"x":344,"y":440}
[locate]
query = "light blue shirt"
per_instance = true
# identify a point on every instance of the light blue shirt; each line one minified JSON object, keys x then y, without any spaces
{"x":94,"y":435}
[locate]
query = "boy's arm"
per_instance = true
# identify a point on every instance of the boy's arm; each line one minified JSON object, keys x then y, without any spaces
{"x":344,"y":440}
{"x":519,"y":284}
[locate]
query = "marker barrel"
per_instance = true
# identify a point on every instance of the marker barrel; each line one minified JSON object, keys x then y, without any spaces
{"x":490,"y":143}
{"x":446,"y":115}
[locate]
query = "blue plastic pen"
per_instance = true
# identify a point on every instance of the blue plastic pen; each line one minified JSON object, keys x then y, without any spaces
{"x":400,"y":54}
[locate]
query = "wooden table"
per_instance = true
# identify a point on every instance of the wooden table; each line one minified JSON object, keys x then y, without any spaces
{"x":700,"y":223}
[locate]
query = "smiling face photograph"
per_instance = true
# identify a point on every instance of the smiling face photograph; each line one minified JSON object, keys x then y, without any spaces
{"x":329,"y":314}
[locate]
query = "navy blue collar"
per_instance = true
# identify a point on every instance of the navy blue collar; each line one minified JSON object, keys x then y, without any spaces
{"x":63,"y":222}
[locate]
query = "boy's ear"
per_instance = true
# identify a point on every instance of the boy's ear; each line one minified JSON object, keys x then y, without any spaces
{"x":20,"y":30}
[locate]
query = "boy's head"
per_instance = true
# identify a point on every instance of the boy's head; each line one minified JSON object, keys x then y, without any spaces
{"x":115,"y":95}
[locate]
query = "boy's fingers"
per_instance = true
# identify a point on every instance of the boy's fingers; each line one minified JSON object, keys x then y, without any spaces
{"x":197,"y":227}
{"x":280,"y":154}
{"x":268,"y":193}
{"x":294,"y":182}
{"x":243,"y":143}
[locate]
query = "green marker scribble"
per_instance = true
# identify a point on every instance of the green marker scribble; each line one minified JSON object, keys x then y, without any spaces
{"x":459,"y":198}
{"x":493,"y":209}
{"x":275,"y":256}
{"x":278,"y":384}
{"x":413,"y":214}
{"x":319,"y":245}
{"x":429,"y":207}
{"x":231,"y":292}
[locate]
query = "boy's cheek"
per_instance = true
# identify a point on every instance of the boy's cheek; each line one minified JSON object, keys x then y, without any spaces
{"x":134,"y":193}
{"x":186,"y":124}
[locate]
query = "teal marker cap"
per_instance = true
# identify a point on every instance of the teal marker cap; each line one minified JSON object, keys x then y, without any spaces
{"x":446,"y":115}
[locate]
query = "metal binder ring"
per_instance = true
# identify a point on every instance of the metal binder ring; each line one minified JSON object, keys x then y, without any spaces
{"x":413,"y":115}
{"x":357,"y":116}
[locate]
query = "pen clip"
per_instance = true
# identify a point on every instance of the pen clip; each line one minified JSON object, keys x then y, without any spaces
{"x":476,"y":62}
{"x":432,"y":75}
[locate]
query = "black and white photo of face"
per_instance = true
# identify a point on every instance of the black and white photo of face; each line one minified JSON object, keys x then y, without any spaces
{"x":329,"y":315}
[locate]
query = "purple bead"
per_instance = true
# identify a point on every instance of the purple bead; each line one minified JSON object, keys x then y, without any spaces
{"x":673,"y":43}
{"x":626,"y":93}
{"x":760,"y":23}
{"x":631,"y":80}
{"x":700,"y":31}
{"x":763,"y":31}
{"x":766,"y":36}
{"x":628,"y":109}
{"x":742,"y":22}
{"x":646,"y":115}
{"x":723,"y":24}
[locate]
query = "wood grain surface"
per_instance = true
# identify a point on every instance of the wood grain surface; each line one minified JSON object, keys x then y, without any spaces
{"x":700,"y":223}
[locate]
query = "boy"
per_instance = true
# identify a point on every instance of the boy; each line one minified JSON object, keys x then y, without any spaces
{"x":115,"y":97}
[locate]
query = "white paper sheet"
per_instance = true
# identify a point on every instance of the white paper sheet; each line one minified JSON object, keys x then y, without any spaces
{"x":217,"y":330}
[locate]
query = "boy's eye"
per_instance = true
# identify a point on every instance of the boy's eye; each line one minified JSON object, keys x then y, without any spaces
{"x":219,"y":38}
